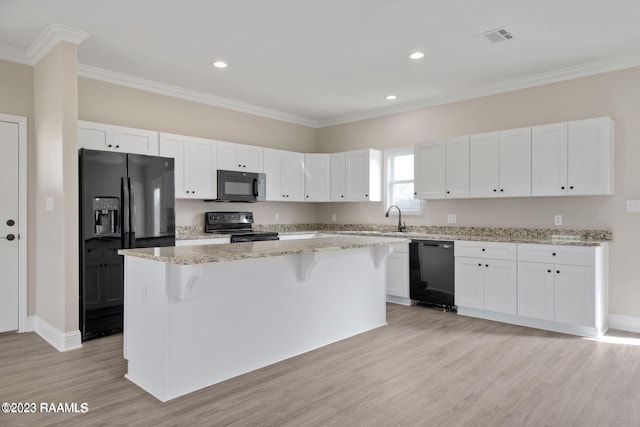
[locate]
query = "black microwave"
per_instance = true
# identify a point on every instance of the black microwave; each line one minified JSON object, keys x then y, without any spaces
{"x":236,"y":186}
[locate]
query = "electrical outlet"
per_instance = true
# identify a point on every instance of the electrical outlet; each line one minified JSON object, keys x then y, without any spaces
{"x":277,"y":217}
{"x":49,"y":203}
{"x":557,"y":220}
{"x":452,"y":219}
{"x":333,"y":218}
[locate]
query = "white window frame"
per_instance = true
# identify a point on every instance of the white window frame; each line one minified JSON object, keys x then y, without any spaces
{"x":389,"y":155}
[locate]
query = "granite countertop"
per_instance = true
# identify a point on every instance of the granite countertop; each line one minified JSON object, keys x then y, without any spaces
{"x":203,"y":254}
{"x":483,"y":234}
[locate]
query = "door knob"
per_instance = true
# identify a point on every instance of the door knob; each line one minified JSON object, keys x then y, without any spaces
{"x":10,"y":237}
{"x":10,"y":222}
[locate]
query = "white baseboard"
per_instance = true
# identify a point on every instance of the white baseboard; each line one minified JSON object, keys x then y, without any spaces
{"x":624,"y":323}
{"x":62,"y":341}
{"x":31,"y":324}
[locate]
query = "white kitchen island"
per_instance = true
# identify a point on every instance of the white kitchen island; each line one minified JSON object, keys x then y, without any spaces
{"x":198,"y":315}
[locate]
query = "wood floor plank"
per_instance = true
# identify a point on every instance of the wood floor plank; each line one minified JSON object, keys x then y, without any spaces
{"x":424,"y":368}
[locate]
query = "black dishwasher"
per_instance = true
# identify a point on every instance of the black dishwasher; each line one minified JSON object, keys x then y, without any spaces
{"x":431,"y":265}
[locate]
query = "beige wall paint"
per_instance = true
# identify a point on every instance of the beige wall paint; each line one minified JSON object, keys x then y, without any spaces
{"x":615,"y":94}
{"x":16,"y":97}
{"x":56,"y":177}
{"x":108,"y":103}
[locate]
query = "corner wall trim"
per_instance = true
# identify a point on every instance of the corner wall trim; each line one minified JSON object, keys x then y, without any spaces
{"x":51,"y":36}
{"x":624,"y":323}
{"x":62,"y":341}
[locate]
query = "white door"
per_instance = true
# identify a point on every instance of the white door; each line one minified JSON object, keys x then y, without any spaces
{"x":317,"y":170}
{"x":9,"y":253}
{"x":358,"y":175}
{"x":536,"y":290}
{"x":590,"y":157}
{"x":515,"y":163}
{"x":293,"y":176}
{"x":483,"y":165}
{"x":202,"y":169}
{"x":252,"y":158}
{"x":549,"y":160}
{"x":469,"y":282}
{"x":429,"y":170}
{"x":273,"y":170}
{"x":338,"y":177}
{"x":500,"y":286}
{"x":457,"y":169}
{"x":177,"y":147}
{"x":575,"y":295}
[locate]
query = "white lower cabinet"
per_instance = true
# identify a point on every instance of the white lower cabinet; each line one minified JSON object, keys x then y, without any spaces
{"x":486,"y":283}
{"x":561,"y":288}
{"x":398,"y":275}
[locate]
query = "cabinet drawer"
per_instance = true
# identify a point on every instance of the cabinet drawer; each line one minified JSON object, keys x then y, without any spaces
{"x":557,"y":254}
{"x":493,"y":250}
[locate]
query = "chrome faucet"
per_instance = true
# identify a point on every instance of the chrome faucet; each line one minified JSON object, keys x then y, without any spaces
{"x":401,"y":226}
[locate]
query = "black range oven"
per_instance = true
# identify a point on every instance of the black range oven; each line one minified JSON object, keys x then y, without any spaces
{"x":237,"y":225}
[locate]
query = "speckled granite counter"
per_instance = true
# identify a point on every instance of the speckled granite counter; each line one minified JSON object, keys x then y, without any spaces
{"x":203,"y":254}
{"x":573,"y":237}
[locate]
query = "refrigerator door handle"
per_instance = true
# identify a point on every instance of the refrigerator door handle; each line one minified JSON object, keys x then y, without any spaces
{"x":132,"y":211}
{"x":126,"y":222}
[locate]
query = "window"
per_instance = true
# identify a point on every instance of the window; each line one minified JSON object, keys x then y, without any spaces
{"x":399,"y":181}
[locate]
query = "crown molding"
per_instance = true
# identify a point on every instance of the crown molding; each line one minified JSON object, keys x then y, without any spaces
{"x":14,"y":55}
{"x":569,"y":73}
{"x":51,"y":36}
{"x":189,"y":95}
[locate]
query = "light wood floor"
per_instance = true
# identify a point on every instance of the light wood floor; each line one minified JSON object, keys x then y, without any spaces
{"x":426,"y":368}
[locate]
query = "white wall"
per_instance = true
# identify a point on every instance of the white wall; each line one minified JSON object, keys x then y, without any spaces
{"x":615,"y":94}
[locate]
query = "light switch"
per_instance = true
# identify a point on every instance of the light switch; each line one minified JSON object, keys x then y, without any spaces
{"x":633,"y":205}
{"x":49,"y":203}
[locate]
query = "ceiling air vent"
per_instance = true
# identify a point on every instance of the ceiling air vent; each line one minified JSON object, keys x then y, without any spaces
{"x":495,"y":36}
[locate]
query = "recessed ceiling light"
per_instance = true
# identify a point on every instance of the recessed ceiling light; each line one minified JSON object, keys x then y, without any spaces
{"x":391,"y":97}
{"x":220,"y":64}
{"x":416,"y":55}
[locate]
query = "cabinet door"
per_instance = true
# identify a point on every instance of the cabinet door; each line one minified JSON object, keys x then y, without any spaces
{"x":293,"y":176}
{"x":549,"y":160}
{"x":95,"y":136}
{"x":500,"y":286}
{"x":317,"y":170}
{"x":273,"y":169}
{"x":469,"y":282}
{"x":398,"y":272}
{"x":252,"y":158}
{"x":536,"y":290}
{"x":457,"y":168}
{"x":484,"y":165}
{"x":357,"y":175}
{"x":135,"y":141}
{"x":202,"y":169}
{"x":229,"y":156}
{"x":575,"y":294}
{"x":590,"y":155}
{"x":515,"y":163}
{"x":338,"y":177}
{"x":429,"y":170}
{"x":177,"y":147}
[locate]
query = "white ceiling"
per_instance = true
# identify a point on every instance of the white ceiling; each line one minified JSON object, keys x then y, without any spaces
{"x":322,"y":62}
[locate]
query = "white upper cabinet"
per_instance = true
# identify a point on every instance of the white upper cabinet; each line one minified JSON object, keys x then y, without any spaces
{"x":429,"y":169}
{"x":356,"y":176}
{"x":285,"y":175}
{"x":195,"y":165}
{"x":364,"y":175}
{"x":99,"y":136}
{"x":515,"y":163}
{"x":549,"y":160}
{"x":574,"y":158}
{"x":240,"y":157}
{"x":500,"y":164}
{"x":457,"y":168}
{"x":317,"y":177}
{"x":590,"y":155}
{"x":338,"y":177}
{"x":484,"y":165}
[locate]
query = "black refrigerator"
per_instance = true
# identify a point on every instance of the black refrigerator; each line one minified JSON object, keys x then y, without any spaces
{"x":126,"y":201}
